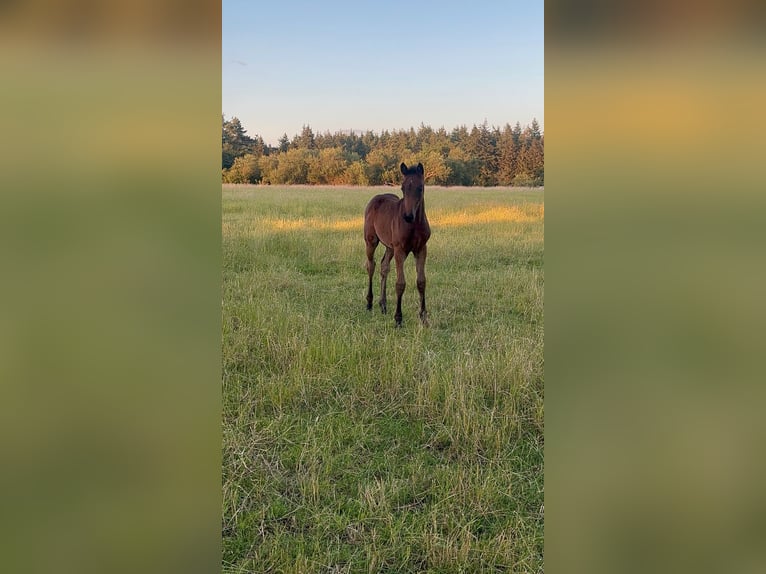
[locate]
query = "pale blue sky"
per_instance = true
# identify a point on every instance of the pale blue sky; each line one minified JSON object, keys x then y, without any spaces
{"x":338,"y":65}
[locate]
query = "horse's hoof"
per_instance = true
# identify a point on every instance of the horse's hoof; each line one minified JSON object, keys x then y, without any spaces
{"x":383,"y":309}
{"x":369,"y":306}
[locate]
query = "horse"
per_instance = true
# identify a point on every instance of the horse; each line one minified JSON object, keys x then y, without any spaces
{"x":402,"y":226}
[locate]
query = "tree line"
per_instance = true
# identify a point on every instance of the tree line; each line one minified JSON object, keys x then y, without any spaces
{"x":483,"y":156}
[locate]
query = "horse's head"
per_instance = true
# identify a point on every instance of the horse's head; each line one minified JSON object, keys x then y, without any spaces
{"x":412,"y":186}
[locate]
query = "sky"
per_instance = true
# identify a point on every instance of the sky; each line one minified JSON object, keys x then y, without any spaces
{"x":363,"y":65}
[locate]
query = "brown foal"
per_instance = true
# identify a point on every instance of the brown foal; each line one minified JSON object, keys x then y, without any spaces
{"x":401,"y":225}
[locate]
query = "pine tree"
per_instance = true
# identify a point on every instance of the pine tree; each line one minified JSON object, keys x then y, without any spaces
{"x":508,"y":152}
{"x":482,"y":146}
{"x":235,"y":142}
{"x":306,"y":140}
{"x":535,"y":130}
{"x":283,"y":143}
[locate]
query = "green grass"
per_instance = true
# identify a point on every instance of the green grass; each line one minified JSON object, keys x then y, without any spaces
{"x":352,"y":446}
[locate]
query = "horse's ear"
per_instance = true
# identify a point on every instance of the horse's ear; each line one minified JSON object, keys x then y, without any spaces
{"x":403,"y":167}
{"x":420,"y":168}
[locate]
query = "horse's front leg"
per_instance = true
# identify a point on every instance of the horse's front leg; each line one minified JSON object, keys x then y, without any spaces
{"x":399,"y":257}
{"x":385,"y":265}
{"x":420,"y":267}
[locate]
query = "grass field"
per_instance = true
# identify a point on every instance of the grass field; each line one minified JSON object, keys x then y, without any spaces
{"x":352,"y":446}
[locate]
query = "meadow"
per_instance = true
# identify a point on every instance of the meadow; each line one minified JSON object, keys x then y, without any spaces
{"x":350,"y":445}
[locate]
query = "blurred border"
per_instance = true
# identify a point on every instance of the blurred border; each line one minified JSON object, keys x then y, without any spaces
{"x":110,"y":328}
{"x":654,"y":306}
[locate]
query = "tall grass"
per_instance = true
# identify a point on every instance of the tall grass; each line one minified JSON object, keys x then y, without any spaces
{"x":353,"y":446}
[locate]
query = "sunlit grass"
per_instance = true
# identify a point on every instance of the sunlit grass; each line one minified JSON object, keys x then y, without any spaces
{"x":313,"y":223}
{"x":496,"y":214}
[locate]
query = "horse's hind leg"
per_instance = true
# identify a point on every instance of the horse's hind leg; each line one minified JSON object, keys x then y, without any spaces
{"x":372,"y":243}
{"x":385,"y":266}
